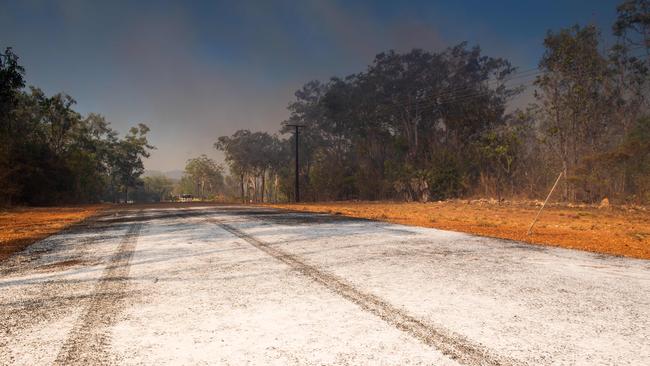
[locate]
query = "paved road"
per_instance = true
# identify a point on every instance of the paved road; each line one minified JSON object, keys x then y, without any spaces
{"x":235,"y":285}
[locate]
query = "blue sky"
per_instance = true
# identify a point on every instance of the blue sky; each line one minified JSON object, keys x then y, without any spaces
{"x":195,"y":70}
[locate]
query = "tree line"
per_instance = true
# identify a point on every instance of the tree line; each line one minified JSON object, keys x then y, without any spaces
{"x":50,"y":153}
{"x":202,"y":179}
{"x":413,"y":126}
{"x":432,"y":125}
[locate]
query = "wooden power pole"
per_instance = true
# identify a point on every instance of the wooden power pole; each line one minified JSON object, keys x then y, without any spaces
{"x":297,"y":134}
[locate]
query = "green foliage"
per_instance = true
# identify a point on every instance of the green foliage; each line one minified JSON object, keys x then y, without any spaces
{"x":203,"y":178}
{"x":415,"y":126}
{"x":380,"y":133}
{"x":633,"y":22}
{"x":445,"y":181}
{"x":156,"y":188}
{"x":636,"y":151}
{"x":624,"y":168}
{"x":588,"y":103}
{"x":499,"y":150}
{"x":254,"y":158}
{"x":422,"y":125}
{"x":11,"y":82}
{"x":51,"y":154}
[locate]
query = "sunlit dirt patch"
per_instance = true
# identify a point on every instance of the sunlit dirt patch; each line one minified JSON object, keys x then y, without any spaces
{"x":19,"y":227}
{"x":616,"y":230}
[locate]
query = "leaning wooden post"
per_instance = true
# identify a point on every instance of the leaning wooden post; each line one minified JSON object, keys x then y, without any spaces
{"x":544,"y":204}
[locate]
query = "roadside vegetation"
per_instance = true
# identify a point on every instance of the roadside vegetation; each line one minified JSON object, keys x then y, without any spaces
{"x":414,"y":126}
{"x":51,"y":154}
{"x":422,"y":126}
{"x":418,"y":126}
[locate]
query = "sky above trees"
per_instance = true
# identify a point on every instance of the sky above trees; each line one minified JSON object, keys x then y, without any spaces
{"x":194,"y":71}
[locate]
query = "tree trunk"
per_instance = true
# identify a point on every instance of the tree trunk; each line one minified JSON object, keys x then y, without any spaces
{"x":275,"y":188}
{"x":566,"y":181}
{"x":252,"y":181}
{"x":243,"y":199}
{"x":263,"y":183}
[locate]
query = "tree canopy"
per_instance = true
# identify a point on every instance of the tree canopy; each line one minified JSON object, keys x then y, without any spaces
{"x":52,"y":154}
{"x":431,"y":125}
{"x":414,"y":126}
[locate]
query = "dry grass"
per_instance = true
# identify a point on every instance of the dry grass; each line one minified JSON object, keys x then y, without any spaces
{"x":20,"y":227}
{"x":617,"y":231}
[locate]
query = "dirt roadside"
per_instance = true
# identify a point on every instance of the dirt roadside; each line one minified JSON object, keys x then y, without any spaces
{"x":20,"y":227}
{"x":614,"y":230}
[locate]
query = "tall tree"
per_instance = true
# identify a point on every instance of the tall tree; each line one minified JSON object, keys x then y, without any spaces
{"x":157,"y":188}
{"x":250,"y":156}
{"x":206,"y":176}
{"x":573,"y":92}
{"x":11,"y":82}
{"x":126,"y":164}
{"x":633,"y":23}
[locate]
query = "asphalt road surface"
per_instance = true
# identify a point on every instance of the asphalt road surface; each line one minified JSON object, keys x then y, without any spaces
{"x":229,"y":285}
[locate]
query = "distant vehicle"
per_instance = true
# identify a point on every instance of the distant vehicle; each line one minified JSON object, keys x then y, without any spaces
{"x":185,"y":198}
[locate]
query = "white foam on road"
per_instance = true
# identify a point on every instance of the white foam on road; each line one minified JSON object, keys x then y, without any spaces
{"x":197,"y":294}
{"x":537,"y":304}
{"x":207,"y":297}
{"x":44,"y":290}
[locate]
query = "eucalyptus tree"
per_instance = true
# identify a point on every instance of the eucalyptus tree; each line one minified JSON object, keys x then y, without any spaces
{"x":11,"y":83}
{"x":206,"y":176}
{"x":306,"y":110}
{"x":633,"y":23}
{"x":573,"y":92}
{"x":50,"y":153}
{"x":237,"y":154}
{"x":125,"y":160}
{"x":630,"y":61}
{"x":386,"y":129}
{"x":250,"y":156}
